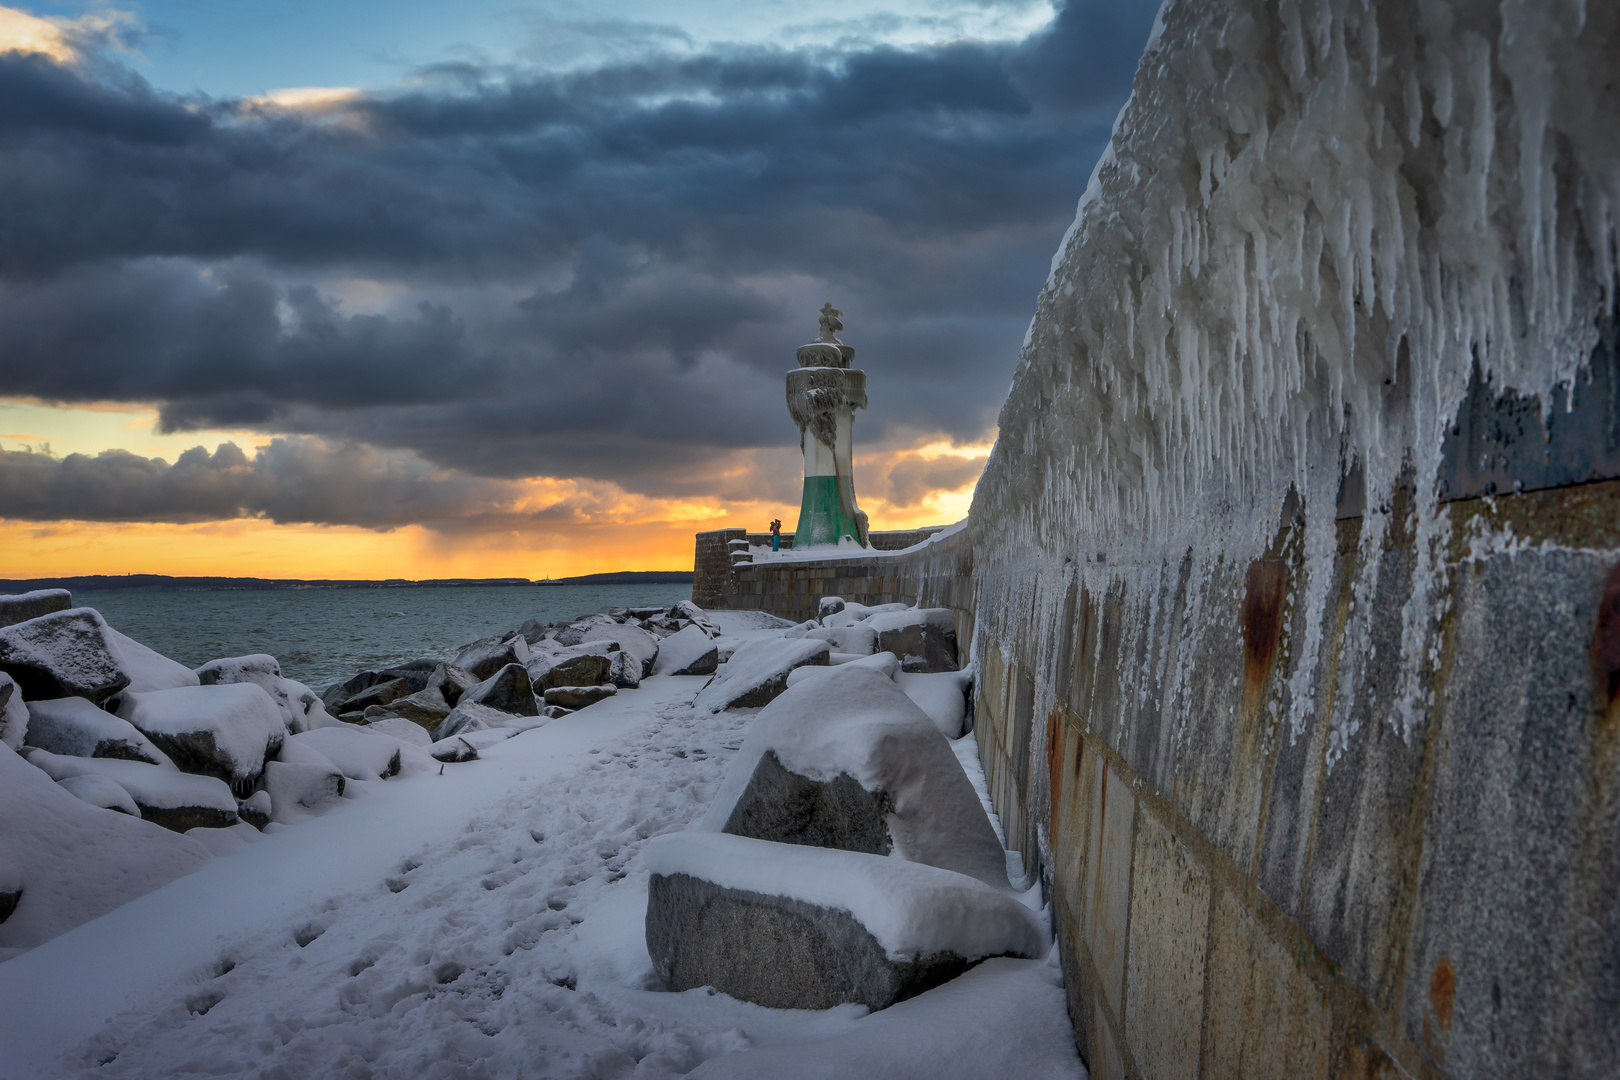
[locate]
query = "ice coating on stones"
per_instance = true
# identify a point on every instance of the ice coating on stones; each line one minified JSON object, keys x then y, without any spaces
{"x":1313,"y":221}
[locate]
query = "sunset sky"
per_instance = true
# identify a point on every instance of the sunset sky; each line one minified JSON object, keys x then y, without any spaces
{"x":364,"y":289}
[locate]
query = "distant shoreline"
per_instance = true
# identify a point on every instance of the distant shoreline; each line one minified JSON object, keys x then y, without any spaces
{"x":165,"y":583}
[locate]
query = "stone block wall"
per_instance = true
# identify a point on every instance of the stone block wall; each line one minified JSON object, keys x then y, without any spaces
{"x":793,"y":590}
{"x":1235,"y":898}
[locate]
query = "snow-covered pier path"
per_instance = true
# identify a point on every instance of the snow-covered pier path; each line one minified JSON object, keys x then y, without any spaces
{"x":486,"y":922}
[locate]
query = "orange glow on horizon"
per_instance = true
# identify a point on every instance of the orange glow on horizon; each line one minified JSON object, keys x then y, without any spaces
{"x":538,"y":527}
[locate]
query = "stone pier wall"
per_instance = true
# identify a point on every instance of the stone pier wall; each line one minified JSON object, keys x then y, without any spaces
{"x":793,"y":589}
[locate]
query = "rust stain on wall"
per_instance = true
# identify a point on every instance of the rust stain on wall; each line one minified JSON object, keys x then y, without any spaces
{"x":1606,"y":642}
{"x":1443,"y":991}
{"x":1262,"y":623}
{"x":1054,"y":767}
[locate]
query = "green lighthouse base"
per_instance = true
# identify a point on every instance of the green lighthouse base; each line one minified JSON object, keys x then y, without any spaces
{"x":826,"y":515}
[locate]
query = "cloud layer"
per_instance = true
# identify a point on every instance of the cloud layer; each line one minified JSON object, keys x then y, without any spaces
{"x":600,"y":274}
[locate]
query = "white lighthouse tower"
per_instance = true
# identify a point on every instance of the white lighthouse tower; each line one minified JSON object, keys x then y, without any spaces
{"x":822,"y":396}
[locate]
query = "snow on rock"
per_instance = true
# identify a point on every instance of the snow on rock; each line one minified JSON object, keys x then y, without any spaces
{"x":583,"y":665}
{"x":426,"y":708}
{"x":507,"y":690}
{"x":468,"y":718}
{"x":13,"y":713}
{"x":166,"y":796}
{"x":102,"y":791}
{"x":225,"y":731}
{"x":300,"y":789}
{"x":64,"y":654}
{"x":885,"y":662}
{"x":790,"y":926}
{"x":829,"y":605}
{"x":72,"y":861}
{"x":484,"y":658}
{"x":624,"y":670}
{"x":942,"y":695}
{"x":301,"y":708}
{"x":689,"y":611}
{"x":631,"y":639}
{"x":20,"y":607}
{"x":688,"y":651}
{"x":746,"y":623}
{"x":859,"y":638}
{"x":923,"y":638}
{"x":851,"y":613}
{"x":74,"y":727}
{"x":147,"y":668}
{"x":255,"y":810}
{"x":578,"y":697}
{"x":362,"y":753}
{"x":848,"y":760}
{"x":405,"y":729}
{"x":757,"y":672}
{"x":454,"y":750}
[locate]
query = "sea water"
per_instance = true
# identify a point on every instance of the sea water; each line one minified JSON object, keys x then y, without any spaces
{"x":323,"y":635}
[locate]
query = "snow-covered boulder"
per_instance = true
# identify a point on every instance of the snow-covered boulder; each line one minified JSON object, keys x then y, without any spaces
{"x":688,"y":651}
{"x":695,"y":615}
{"x":467,"y":718}
{"x":487,"y":656}
{"x":404,"y":729}
{"x":852,"y":613}
{"x":13,"y":713}
{"x":829,"y":605}
{"x":361,"y":753}
{"x":847,"y":760}
{"x":577,"y":697}
{"x":427,"y":708}
{"x":757,"y":672}
{"x":455,"y":750}
{"x":451,"y":682}
{"x":860,"y":638}
{"x":382,"y":693}
{"x":223,"y":731}
{"x":76,"y":728}
{"x":165,"y":796}
{"x":631,"y":639}
{"x":942,"y":695}
{"x":301,"y":789}
{"x":20,"y":607}
{"x":583,"y":666}
{"x":794,"y":927}
{"x":72,"y":861}
{"x":923,"y":638}
{"x":64,"y":654}
{"x":579,"y":630}
{"x":102,"y":791}
{"x":885,"y":662}
{"x":256,"y":809}
{"x":301,"y":708}
{"x":624,"y":670}
{"x":508,"y":690}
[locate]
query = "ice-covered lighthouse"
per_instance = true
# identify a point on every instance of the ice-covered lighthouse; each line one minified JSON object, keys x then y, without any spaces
{"x":822,"y":396}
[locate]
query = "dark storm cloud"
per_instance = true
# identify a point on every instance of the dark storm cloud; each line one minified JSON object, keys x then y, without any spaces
{"x":600,"y":274}
{"x":290,"y":480}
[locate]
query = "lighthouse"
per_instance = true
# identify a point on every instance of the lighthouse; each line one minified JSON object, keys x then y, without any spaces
{"x":822,"y":396}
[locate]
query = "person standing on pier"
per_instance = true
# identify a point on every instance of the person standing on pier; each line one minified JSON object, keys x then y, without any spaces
{"x":776,"y":534}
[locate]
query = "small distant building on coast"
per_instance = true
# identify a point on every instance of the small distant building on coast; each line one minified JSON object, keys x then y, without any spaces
{"x":822,"y":396}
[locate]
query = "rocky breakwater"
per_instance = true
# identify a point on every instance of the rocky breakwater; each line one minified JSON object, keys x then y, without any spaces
{"x":122,"y":769}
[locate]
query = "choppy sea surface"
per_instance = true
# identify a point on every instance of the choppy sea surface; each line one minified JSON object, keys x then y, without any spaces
{"x":323,"y":635}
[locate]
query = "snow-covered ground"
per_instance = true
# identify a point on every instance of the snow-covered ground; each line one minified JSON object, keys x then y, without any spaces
{"x":486,"y":921}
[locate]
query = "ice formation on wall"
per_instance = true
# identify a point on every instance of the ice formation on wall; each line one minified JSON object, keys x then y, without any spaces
{"x":1314,"y":220}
